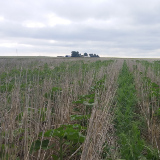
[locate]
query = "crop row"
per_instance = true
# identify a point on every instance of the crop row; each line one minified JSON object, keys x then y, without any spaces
{"x":128,"y":121}
{"x":148,"y":91}
{"x":100,"y":129}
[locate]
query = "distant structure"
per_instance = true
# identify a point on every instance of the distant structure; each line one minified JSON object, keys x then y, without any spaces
{"x":67,"y":56}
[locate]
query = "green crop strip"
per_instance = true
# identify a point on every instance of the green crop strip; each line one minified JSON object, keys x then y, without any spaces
{"x":127,"y":122}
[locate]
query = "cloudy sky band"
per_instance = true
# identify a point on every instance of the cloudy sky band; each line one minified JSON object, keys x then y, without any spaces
{"x":118,"y":28}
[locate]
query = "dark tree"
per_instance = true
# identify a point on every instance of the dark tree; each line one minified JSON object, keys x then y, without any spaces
{"x":93,"y":55}
{"x":85,"y":54}
{"x":75,"y":54}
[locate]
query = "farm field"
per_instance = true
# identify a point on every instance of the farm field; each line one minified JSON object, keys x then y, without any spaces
{"x":79,"y":109}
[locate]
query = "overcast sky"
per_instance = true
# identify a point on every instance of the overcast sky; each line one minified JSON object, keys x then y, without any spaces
{"x":114,"y":28}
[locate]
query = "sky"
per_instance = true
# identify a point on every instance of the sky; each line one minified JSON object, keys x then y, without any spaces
{"x":109,"y":28}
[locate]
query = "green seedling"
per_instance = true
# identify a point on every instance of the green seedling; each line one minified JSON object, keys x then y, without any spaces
{"x":67,"y":135}
{"x":82,"y":119}
{"x":53,"y":92}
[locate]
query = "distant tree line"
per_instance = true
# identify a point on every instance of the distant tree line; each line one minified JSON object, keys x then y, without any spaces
{"x":93,"y":55}
{"x":77,"y":54}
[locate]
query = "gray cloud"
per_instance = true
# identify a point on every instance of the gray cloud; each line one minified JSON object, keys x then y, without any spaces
{"x":108,"y":28}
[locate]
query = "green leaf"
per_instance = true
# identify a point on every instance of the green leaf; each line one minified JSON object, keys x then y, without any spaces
{"x":67,"y":143}
{"x":78,"y":102}
{"x":59,"y":132}
{"x":74,"y":136}
{"x":76,"y":126}
{"x":55,"y":157}
{"x":37,"y":145}
{"x":91,"y":101}
{"x":56,"y":89}
{"x":48,"y":133}
{"x":45,"y":144}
